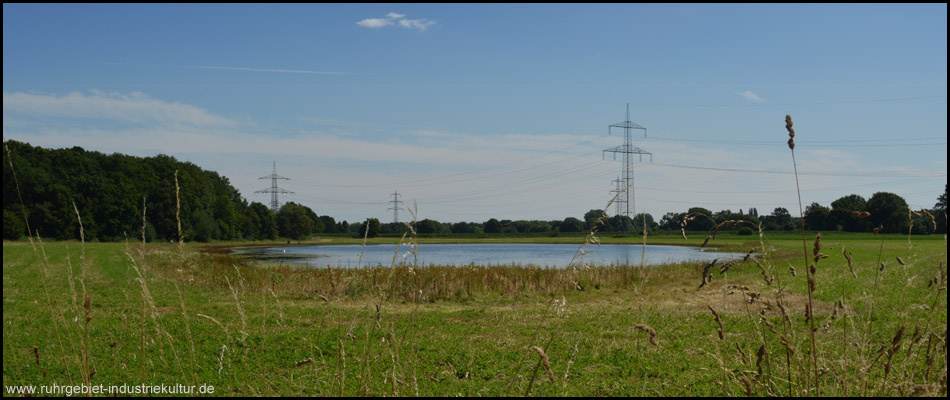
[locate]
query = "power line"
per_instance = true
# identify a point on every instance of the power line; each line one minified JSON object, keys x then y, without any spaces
{"x":853,"y":174}
{"x":821,"y":189}
{"x":819,"y":143}
{"x":445,"y":178}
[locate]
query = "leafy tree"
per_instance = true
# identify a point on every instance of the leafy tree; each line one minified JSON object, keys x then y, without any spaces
{"x":638,"y":223}
{"x":520,"y":226}
{"x":942,"y":201}
{"x":465,"y":227}
{"x":493,"y":226}
{"x":539,"y":227}
{"x":889,"y":210}
{"x":621,"y":224}
{"x":317,"y":222}
{"x":671,"y":221}
{"x":13,"y":226}
{"x":225,"y":217}
{"x":700,"y":223}
{"x":592,"y":216}
{"x":571,"y":224}
{"x":150,"y":233}
{"x":265,"y":219}
{"x":329,"y":224}
{"x":294,"y":222}
{"x":940,"y":211}
{"x":845,"y":213}
{"x":204,"y":227}
{"x":427,"y":226}
{"x":369,"y":228}
{"x":818,"y":217}
{"x":780,"y":220}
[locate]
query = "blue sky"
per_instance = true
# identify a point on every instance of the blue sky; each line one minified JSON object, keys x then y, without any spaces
{"x":479,"y":111}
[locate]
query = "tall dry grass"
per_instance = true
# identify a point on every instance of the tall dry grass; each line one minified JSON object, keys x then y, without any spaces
{"x":858,"y":354}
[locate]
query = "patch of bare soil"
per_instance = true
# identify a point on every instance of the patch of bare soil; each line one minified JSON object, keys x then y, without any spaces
{"x":728,"y":297}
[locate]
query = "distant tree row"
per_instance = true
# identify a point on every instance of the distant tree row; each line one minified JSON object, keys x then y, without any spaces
{"x":850,"y":213}
{"x":108,"y":191}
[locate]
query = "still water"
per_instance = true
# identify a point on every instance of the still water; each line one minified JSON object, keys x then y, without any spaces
{"x":542,"y":255}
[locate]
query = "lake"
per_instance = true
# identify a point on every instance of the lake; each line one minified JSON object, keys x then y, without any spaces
{"x":542,"y":255}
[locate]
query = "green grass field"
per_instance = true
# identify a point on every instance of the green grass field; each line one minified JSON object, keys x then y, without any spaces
{"x":203,"y":317}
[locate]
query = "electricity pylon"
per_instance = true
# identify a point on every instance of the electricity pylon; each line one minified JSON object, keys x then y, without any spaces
{"x":273,"y":189}
{"x":628,"y":150}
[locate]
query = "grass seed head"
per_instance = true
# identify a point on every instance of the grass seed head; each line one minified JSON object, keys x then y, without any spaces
{"x":933,"y":221}
{"x":850,"y":261}
{"x":87,"y":306}
{"x":747,"y":383}
{"x":748,"y":254}
{"x":791,"y":132}
{"x":648,"y":330}
{"x":544,"y":360}
{"x":860,"y":214}
{"x":718,"y":321}
{"x":759,"y":356}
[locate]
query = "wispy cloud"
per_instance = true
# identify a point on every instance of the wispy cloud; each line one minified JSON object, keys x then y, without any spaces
{"x":287,"y":71}
{"x":396,"y":19}
{"x":752,"y":96}
{"x":375,"y":22}
{"x":135,"y":108}
{"x":420,"y":24}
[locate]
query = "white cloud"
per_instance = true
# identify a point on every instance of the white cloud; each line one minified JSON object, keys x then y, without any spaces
{"x":135,"y":107}
{"x":420,"y":24}
{"x":751,"y":96}
{"x":397,"y":19}
{"x":375,"y":22}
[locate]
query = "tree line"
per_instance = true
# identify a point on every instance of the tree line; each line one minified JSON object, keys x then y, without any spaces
{"x":851,"y":213}
{"x":110,"y":191}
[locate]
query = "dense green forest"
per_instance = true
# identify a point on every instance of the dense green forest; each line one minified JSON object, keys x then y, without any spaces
{"x":109,"y":190}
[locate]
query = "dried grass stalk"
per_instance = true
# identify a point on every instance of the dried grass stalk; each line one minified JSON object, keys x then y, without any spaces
{"x":850,"y":261}
{"x":706,"y":275}
{"x":718,"y":321}
{"x":544,"y":360}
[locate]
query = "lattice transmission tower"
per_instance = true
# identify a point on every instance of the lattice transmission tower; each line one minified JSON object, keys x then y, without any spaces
{"x":619,"y":203}
{"x":626,"y":204}
{"x":273,"y":189}
{"x":395,"y":208}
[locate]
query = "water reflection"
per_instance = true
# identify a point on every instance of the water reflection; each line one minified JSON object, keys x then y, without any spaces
{"x":542,"y":255}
